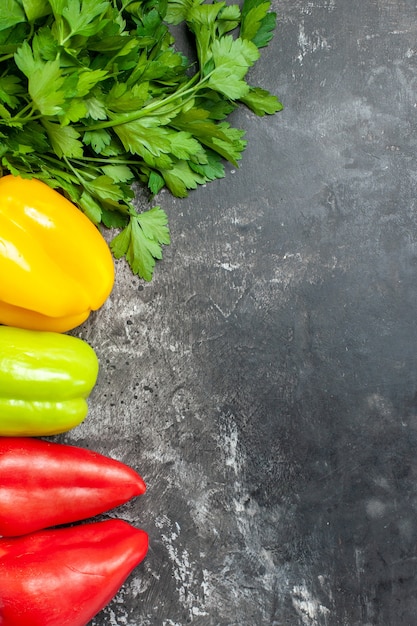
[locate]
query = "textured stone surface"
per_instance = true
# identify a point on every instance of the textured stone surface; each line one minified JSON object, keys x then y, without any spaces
{"x":265,"y":383}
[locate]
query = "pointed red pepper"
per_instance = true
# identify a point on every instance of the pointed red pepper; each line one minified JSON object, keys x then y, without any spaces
{"x":65,"y":576}
{"x":45,"y":484}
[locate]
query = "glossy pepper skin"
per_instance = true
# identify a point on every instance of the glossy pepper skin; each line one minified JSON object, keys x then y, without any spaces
{"x":64,"y":577}
{"x":55,"y":266}
{"x":45,"y":380}
{"x":44,"y":484}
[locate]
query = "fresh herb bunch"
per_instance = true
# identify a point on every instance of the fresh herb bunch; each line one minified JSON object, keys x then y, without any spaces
{"x":94,"y":95}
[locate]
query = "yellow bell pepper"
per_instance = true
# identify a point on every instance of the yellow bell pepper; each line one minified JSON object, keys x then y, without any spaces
{"x":55,"y":266}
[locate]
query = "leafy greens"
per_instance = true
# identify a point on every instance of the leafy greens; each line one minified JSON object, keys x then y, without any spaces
{"x":95,"y":95}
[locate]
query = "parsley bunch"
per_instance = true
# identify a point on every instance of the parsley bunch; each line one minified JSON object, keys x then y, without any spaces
{"x":94,"y":96}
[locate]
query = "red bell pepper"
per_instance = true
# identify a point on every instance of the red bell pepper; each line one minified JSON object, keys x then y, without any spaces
{"x":45,"y":484}
{"x":65,"y":576}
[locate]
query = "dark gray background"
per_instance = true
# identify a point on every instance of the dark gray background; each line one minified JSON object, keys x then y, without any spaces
{"x":265,"y":383}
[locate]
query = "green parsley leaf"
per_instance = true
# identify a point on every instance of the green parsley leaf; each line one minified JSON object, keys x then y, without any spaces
{"x":81,"y":16}
{"x":74,"y":112}
{"x":180,"y":178}
{"x":140,"y":241}
{"x":258,"y":23}
{"x":145,"y":137}
{"x":34,"y":134}
{"x":99,"y":140}
{"x":87,"y":79}
{"x":104,"y":188}
{"x":10,"y":90}
{"x":232,"y":59}
{"x":229,"y":19}
{"x":65,"y":140}
{"x":44,"y":81}
{"x":4,"y":112}
{"x":35,"y":9}
{"x":44,"y":87}
{"x":261,"y":101}
{"x":44,"y":45}
{"x":121,"y":98}
{"x":212,"y":169}
{"x":154,"y":225}
{"x":58,"y":6}
{"x":112,"y":216}
{"x":91,"y":207}
{"x":96,"y":109}
{"x":178,"y":10}
{"x":118,"y":173}
{"x":24,"y":59}
{"x":155,"y":182}
{"x":12,"y":13}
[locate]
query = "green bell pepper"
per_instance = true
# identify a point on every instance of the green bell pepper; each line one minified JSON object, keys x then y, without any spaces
{"x":45,"y":380}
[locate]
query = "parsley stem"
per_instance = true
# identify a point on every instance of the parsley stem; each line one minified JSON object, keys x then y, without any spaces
{"x":75,"y":171}
{"x":6,"y":57}
{"x":21,"y":113}
{"x":189,"y":89}
{"x":13,"y":121}
{"x":106,"y":160}
{"x":60,"y":171}
{"x":19,"y":117}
